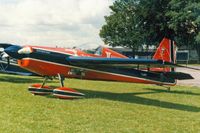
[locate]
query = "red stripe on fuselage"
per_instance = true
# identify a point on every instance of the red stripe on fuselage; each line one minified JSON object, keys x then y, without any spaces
{"x":67,"y":51}
{"x":52,"y":69}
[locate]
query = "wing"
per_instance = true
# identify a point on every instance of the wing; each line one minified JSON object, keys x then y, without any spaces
{"x":127,"y":64}
{"x":119,"y":62}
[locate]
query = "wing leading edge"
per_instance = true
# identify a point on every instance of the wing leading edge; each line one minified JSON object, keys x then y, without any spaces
{"x":115,"y":61}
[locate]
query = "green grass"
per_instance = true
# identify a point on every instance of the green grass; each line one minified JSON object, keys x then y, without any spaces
{"x":109,"y":107}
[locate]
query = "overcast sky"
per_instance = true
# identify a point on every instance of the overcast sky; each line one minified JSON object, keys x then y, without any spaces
{"x":64,"y":23}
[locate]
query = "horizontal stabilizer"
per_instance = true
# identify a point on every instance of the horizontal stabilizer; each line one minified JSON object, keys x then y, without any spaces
{"x":178,"y":75}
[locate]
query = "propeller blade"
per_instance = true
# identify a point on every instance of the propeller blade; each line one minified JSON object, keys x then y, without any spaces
{"x":4,"y":55}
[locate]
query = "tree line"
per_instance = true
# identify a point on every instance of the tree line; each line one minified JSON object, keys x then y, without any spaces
{"x":133,"y":23}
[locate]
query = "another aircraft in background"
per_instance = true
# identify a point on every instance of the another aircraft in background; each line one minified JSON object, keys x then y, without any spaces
{"x":105,"y":64}
{"x":9,"y":65}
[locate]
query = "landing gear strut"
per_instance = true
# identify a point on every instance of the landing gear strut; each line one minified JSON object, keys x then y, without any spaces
{"x":167,"y":87}
{"x":45,"y":80}
{"x":64,"y":92}
{"x":38,"y":89}
{"x":61,"y":79}
{"x":60,"y":92}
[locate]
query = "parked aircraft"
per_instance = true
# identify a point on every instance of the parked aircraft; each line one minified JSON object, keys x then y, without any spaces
{"x":105,"y":64}
{"x":9,"y":65}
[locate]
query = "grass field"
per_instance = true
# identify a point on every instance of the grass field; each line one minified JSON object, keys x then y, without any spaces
{"x":109,"y":107}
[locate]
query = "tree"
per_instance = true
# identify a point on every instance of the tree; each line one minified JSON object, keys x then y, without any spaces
{"x":121,"y":27}
{"x":185,"y":21}
{"x":135,"y":22}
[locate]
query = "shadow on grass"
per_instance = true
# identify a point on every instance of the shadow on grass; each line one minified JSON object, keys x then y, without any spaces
{"x":13,"y":79}
{"x":133,"y":98}
{"x":173,"y":92}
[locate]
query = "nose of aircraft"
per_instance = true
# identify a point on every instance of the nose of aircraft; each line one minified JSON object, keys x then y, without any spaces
{"x":12,"y":51}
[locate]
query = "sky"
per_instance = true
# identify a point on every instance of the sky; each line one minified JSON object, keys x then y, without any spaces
{"x":62,"y":23}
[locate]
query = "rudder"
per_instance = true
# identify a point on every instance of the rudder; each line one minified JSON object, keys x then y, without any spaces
{"x":166,"y":51}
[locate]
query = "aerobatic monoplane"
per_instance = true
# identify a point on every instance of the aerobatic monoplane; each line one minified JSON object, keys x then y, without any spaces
{"x":105,"y":64}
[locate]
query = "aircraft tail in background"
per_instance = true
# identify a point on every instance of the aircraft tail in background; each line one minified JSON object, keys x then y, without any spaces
{"x":166,"y":51}
{"x":108,"y":53}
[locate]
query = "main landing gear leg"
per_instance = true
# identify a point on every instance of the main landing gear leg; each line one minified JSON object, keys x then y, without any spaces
{"x":65,"y":92}
{"x":61,"y":92}
{"x":61,"y":79}
{"x":167,"y":87}
{"x":41,"y":89}
{"x":45,"y":80}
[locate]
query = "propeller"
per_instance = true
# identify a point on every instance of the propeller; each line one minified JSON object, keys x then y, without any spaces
{"x":12,"y":51}
{"x":5,"y":58}
{"x":4,"y":55}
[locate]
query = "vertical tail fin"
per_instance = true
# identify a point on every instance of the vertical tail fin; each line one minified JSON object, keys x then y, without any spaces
{"x":108,"y":53}
{"x":166,"y":51}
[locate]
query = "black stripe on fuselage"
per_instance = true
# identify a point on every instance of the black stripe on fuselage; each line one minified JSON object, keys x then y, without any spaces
{"x":49,"y":56}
